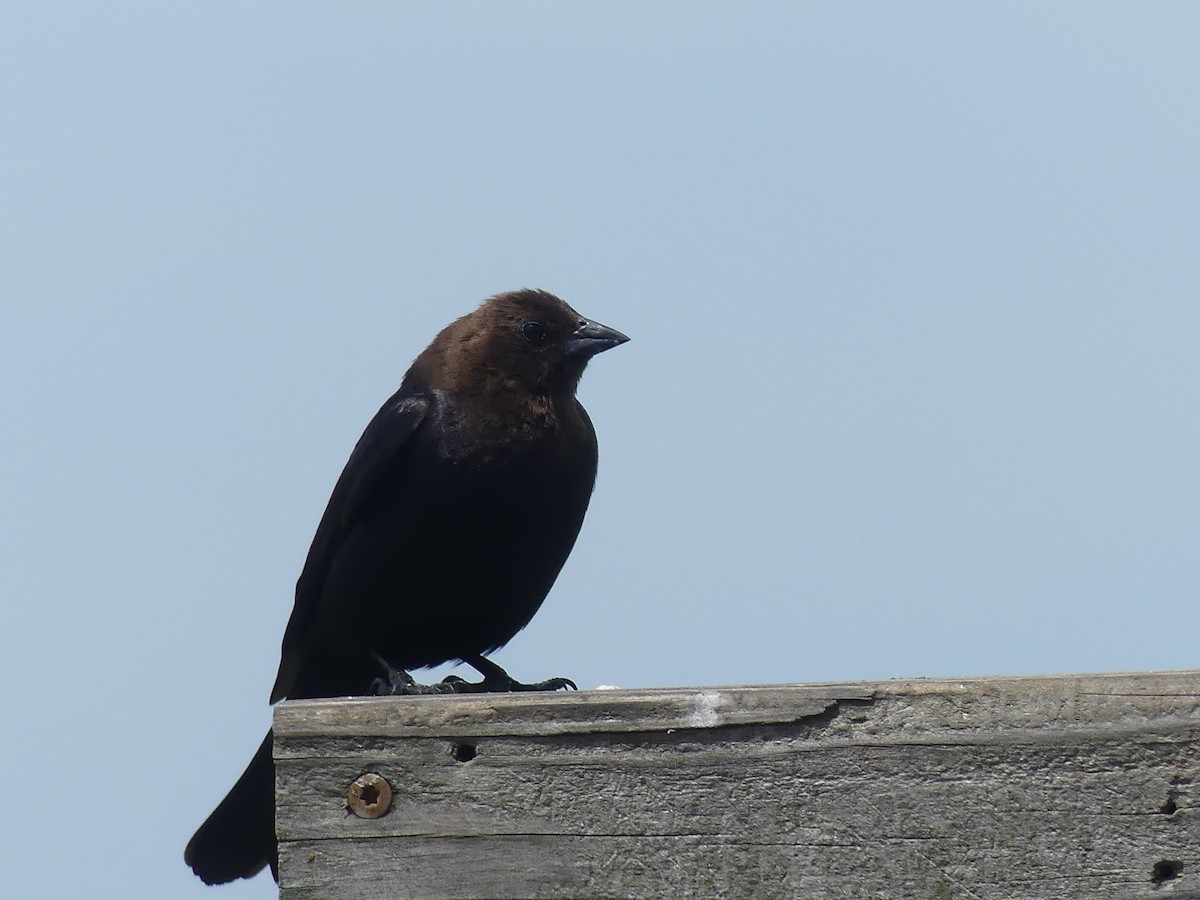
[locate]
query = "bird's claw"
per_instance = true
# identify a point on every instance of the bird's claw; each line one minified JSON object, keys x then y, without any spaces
{"x":398,"y":683}
{"x":550,"y":684}
{"x":505,"y":685}
{"x":497,"y":681}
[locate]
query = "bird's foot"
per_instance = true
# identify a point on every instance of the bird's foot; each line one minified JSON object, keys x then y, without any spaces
{"x":500,"y":686}
{"x":497,"y":681}
{"x":398,"y":683}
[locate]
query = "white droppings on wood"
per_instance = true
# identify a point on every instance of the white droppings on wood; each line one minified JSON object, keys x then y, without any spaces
{"x":705,"y":712}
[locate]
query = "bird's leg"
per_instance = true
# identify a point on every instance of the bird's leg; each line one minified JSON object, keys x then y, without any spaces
{"x":399,"y":683}
{"x":496,"y":680}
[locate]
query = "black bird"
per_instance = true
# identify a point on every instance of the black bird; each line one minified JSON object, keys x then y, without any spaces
{"x":444,"y":533}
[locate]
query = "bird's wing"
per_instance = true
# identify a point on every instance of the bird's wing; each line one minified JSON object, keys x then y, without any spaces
{"x":377,"y":454}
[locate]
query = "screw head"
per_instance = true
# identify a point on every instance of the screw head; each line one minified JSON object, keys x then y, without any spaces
{"x":370,"y":796}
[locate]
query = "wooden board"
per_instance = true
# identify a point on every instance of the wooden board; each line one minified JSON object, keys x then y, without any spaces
{"x":1040,"y":787}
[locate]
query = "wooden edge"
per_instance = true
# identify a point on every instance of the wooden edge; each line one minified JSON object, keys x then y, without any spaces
{"x":657,"y":709}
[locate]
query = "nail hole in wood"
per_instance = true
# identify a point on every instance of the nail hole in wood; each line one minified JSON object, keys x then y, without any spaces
{"x":463,"y":752}
{"x":1166,"y":870}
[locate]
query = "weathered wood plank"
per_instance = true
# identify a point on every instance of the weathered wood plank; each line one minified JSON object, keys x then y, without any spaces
{"x":1080,"y":786}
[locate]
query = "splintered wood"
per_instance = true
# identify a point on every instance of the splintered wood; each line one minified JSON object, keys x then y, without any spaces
{"x":1033,"y":788}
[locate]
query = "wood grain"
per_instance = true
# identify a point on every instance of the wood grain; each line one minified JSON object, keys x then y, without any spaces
{"x":1039,"y":787}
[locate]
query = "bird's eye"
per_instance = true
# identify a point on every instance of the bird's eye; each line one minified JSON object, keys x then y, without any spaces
{"x":534,"y":333}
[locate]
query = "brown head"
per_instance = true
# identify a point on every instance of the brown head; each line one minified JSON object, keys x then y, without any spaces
{"x":521,"y":343}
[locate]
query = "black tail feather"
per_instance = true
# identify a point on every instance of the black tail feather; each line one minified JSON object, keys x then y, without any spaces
{"x":238,"y":839}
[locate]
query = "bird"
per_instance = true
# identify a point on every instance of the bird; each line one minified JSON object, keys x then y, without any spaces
{"x":443,"y":535}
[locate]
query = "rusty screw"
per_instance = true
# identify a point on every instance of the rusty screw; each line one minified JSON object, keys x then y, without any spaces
{"x":370,"y":796}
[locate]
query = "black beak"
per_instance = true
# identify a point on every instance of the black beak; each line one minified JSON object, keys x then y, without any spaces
{"x":590,"y":338}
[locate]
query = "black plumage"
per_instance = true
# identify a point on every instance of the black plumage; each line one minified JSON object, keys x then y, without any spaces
{"x":443,"y":535}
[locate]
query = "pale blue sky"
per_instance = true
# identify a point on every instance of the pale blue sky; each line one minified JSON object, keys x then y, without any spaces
{"x":912,"y":390}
